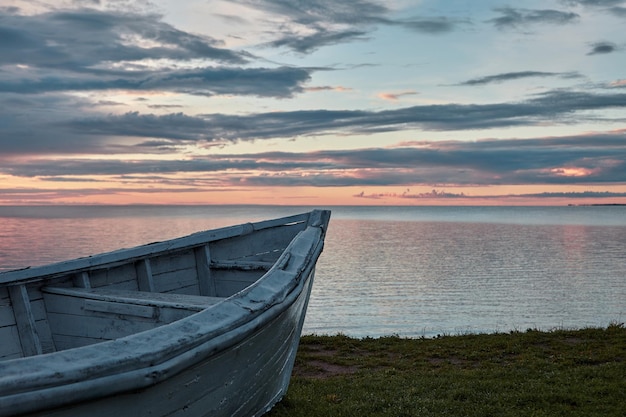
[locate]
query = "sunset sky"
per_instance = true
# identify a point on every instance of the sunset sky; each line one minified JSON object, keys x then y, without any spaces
{"x":313,"y":102}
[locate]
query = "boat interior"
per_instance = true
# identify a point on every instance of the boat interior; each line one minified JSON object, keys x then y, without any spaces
{"x":116,"y":296}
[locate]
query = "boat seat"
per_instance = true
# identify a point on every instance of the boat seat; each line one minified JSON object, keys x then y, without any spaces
{"x":84,"y":316}
{"x":140,"y":298}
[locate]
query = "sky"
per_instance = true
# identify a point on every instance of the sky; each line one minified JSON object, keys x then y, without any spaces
{"x":313,"y":102}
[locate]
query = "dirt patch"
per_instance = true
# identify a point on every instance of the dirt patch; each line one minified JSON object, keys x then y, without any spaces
{"x":319,"y":369}
{"x":316,"y":364}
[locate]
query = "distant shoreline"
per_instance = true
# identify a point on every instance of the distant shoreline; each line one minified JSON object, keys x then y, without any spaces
{"x":596,"y":205}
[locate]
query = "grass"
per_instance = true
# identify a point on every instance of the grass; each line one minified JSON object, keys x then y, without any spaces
{"x":532,"y":373}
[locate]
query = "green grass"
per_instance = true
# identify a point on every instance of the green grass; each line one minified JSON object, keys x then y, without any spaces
{"x":532,"y":373}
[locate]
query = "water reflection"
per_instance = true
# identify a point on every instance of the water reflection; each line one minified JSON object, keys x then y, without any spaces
{"x":427,"y":278}
{"x":426,"y":272}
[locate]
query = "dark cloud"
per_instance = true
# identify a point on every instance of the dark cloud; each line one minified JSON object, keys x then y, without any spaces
{"x":618,"y":11}
{"x":592,"y":3}
{"x":321,"y":37}
{"x":68,"y":124}
{"x":329,"y":22}
{"x":555,"y":107}
{"x":50,"y":40}
{"x":511,"y":17}
{"x":602,"y":48}
{"x":48,"y":123}
{"x":591,"y":159}
{"x":42,"y":54}
{"x":508,"y":76}
{"x":433,"y":25}
{"x":263,"y":82}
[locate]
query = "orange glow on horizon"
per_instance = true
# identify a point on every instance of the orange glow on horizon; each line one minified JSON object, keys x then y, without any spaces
{"x":37,"y":192}
{"x":572,"y":172}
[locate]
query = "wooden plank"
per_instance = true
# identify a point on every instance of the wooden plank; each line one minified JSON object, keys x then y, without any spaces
{"x":137,"y":297}
{"x":126,"y":285}
{"x":173,"y":280}
{"x":144,"y":276}
{"x":4,"y":297}
{"x":243,"y":265}
{"x":119,"y":275}
{"x":206,"y":283}
{"x":45,"y":336}
{"x":189,"y":290}
{"x":252,"y":373}
{"x":63,"y":342}
{"x":173,"y":262}
{"x":228,"y":288}
{"x":10,"y":347}
{"x":82,"y":280}
{"x":105,"y":328}
{"x":29,"y":338}
{"x":40,"y":315}
{"x":6,"y":316}
{"x":272,"y":240}
{"x":120,"y":308}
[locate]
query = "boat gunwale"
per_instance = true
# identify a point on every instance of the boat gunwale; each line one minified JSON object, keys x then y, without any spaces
{"x":145,"y":362}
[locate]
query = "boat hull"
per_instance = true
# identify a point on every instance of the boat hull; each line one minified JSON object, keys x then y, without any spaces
{"x":246,"y":379}
{"x":204,"y":325}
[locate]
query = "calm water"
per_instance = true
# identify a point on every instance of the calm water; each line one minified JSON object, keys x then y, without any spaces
{"x":412,"y":271}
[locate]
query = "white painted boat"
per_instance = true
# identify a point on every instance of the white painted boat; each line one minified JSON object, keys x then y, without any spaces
{"x":203,"y":325}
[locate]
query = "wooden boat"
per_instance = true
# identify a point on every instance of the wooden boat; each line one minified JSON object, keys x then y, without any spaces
{"x":204,"y":325}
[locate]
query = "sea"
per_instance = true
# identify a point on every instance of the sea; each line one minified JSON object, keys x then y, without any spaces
{"x":406,"y":271}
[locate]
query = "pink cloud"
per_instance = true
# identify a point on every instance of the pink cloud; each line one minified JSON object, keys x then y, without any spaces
{"x":396,"y":96}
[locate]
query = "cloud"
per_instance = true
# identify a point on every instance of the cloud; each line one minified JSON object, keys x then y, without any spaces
{"x":592,"y":3}
{"x":49,"y":40}
{"x":602,"y":48}
{"x":509,"y":76}
{"x":512,"y":18}
{"x":396,"y":96}
{"x":53,"y":124}
{"x":590,"y":159}
{"x":121,"y":51}
{"x":308,"y":25}
{"x":321,"y":37}
{"x":618,"y":11}
{"x":443,"y":195}
{"x":340,"y":89}
{"x":554,"y":107}
{"x":263,"y":82}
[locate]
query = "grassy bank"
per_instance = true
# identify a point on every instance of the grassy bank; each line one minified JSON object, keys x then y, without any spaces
{"x":558,"y":373}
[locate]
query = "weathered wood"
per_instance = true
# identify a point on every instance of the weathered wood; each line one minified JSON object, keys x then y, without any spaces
{"x":172,"y":281}
{"x":10,"y":348}
{"x":145,"y":282}
{"x":80,"y":317}
{"x":206,"y":283}
{"x":25,"y":320}
{"x":231,"y":281}
{"x":7,"y":318}
{"x":166,"y":354}
{"x":137,"y":297}
{"x":120,"y":308}
{"x":253,"y":376}
{"x":242,"y":265}
{"x":121,"y":276}
{"x":267,"y":241}
{"x":82,"y":280}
